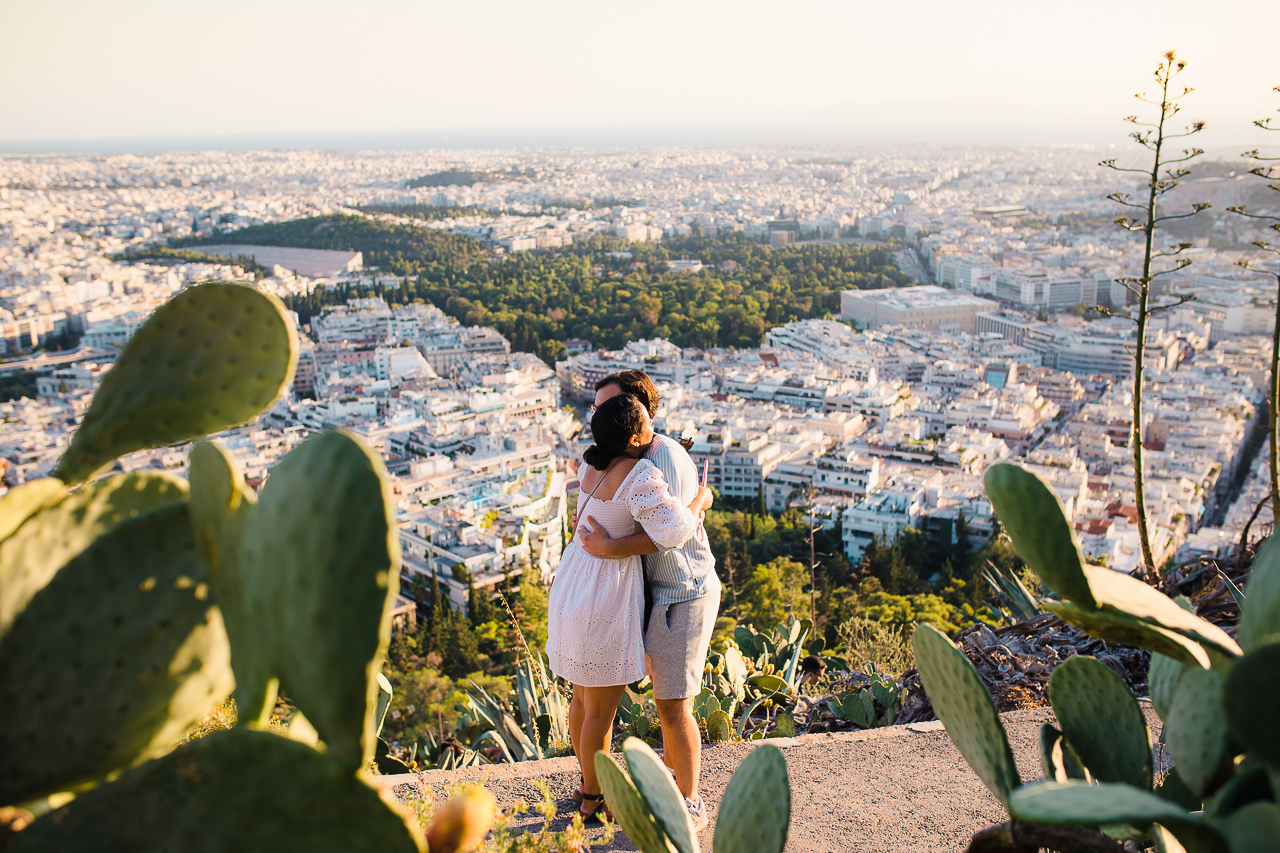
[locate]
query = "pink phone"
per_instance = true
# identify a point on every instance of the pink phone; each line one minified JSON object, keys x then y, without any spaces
{"x":705,"y":463}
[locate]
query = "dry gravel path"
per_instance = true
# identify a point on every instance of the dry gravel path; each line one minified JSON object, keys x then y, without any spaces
{"x":903,"y":788}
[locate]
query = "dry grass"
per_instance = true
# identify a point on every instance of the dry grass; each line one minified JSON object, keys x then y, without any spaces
{"x":867,"y":642}
{"x":224,"y":717}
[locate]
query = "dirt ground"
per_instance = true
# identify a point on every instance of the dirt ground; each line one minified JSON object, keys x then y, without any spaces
{"x":903,"y":788}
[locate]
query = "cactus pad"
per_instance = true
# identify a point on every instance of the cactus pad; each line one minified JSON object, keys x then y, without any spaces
{"x":113,"y":660}
{"x":628,"y":807}
{"x":735,"y":668}
{"x":233,"y":790}
{"x":1196,"y":729}
{"x":962,"y":703}
{"x":1120,"y":593}
{"x":1250,"y":696}
{"x":654,"y":782}
{"x":210,"y":358}
{"x":755,"y":810}
{"x":321,"y":562}
{"x":1103,"y":803}
{"x":24,"y":501}
{"x":857,"y":708}
{"x":719,"y":727}
{"x":1102,"y":721}
{"x":1038,"y":526}
{"x":1058,"y":760}
{"x":1130,"y":631}
{"x":1260,"y":617}
{"x":55,"y":534}
{"x":1253,"y":829}
{"x":220,"y":507}
{"x":767,"y":683}
{"x":746,"y":640}
{"x":1162,"y":678}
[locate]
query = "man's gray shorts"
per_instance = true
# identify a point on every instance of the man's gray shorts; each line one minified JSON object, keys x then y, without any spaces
{"x":676,"y":644}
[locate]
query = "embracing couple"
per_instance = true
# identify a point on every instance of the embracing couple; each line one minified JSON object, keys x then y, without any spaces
{"x":638,"y":525}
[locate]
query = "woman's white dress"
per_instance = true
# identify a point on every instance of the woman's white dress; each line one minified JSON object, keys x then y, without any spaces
{"x":595,"y":608}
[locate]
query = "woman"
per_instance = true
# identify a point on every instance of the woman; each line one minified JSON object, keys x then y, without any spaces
{"x":595,"y":609}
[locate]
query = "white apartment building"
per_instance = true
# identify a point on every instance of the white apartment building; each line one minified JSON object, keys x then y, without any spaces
{"x":1057,"y":292}
{"x":846,"y":472}
{"x":885,"y":513}
{"x":113,"y":333}
{"x":736,"y":468}
{"x":366,"y":321}
{"x":966,"y":273}
{"x":922,"y":307}
{"x":661,"y":359}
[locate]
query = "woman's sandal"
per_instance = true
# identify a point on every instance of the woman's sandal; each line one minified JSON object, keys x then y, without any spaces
{"x":595,"y":815}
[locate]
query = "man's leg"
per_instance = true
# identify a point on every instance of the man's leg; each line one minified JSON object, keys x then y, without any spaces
{"x":676,"y":647}
{"x":681,"y":743}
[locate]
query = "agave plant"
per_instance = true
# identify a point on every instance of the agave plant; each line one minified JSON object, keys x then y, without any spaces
{"x":1214,"y":696}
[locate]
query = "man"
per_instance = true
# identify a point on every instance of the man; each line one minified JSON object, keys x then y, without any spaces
{"x":686,"y":599}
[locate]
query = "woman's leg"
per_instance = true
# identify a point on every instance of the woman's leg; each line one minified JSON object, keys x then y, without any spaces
{"x":577,"y":712}
{"x":600,"y":704}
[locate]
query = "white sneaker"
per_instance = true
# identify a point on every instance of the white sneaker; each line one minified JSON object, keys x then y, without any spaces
{"x":697,"y":812}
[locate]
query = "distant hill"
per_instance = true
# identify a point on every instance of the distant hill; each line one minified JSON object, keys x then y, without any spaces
{"x":603,"y":289}
{"x":451,"y":179}
{"x":396,"y":248}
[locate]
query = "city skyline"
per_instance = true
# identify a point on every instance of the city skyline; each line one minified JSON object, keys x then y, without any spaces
{"x":401,"y":76}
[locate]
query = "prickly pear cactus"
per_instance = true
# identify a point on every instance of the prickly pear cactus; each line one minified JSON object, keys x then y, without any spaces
{"x":1102,"y":721}
{"x":1196,"y":728}
{"x":462,"y":822}
{"x":1100,"y":804}
{"x":114,"y":659}
{"x":1252,"y":692}
{"x":735,"y":671}
{"x":652,"y":779}
{"x":220,"y":508}
{"x":962,"y":703}
{"x":233,"y":790}
{"x":857,"y":708}
{"x":719,"y":727}
{"x":320,"y":579}
{"x":1253,"y":829}
{"x":1162,"y":680}
{"x":1120,"y":593}
{"x":1260,"y":617}
{"x":31,"y":556}
{"x":755,"y":811}
{"x":210,"y":358}
{"x":1058,"y":760}
{"x":628,"y":807}
{"x":1032,"y":514}
{"x":24,"y":501}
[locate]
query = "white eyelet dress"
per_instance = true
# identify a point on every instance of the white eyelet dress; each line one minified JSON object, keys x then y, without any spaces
{"x":595,"y":608}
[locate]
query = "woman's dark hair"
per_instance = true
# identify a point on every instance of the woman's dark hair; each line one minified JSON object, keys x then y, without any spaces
{"x":613,"y":424}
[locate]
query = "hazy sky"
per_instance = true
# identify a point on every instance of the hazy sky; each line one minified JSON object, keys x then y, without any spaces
{"x":481,"y":72}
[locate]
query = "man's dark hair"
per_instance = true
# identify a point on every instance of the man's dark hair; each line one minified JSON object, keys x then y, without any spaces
{"x":813,"y":663}
{"x":636,"y":383}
